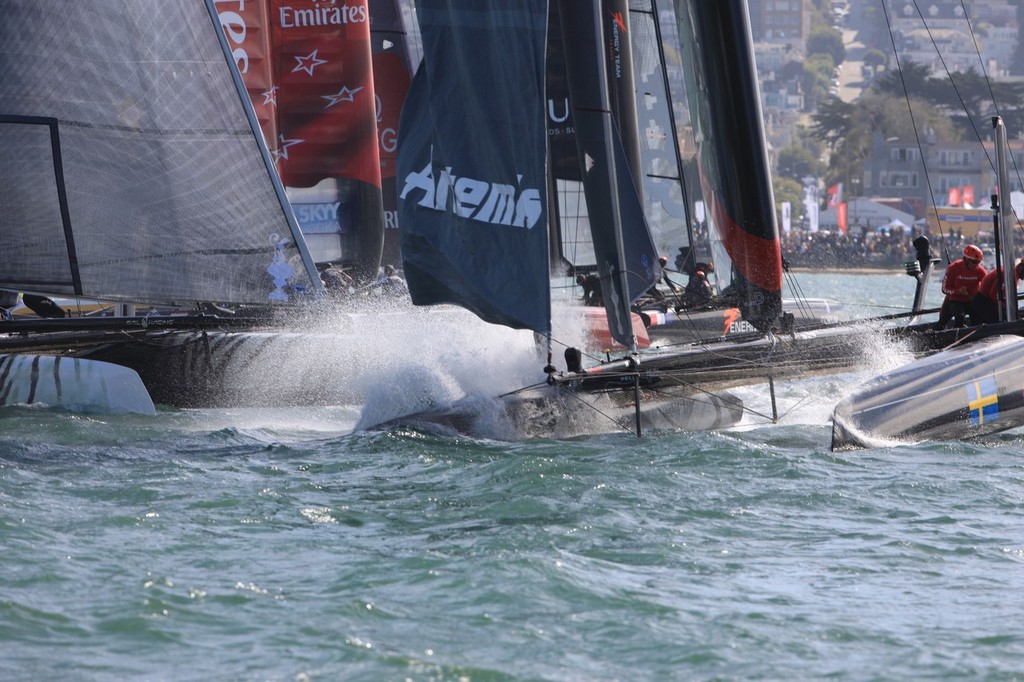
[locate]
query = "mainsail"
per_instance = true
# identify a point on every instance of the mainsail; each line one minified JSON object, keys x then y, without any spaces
{"x":471,"y":162}
{"x":131,"y":167}
{"x":725,"y":103}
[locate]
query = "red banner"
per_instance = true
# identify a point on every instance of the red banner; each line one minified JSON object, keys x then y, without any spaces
{"x":841,"y":217}
{"x":968,"y":194}
{"x":307,"y":66}
{"x":953,"y":196}
{"x":327,"y":116}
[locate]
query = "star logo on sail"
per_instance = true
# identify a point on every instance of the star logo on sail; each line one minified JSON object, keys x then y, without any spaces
{"x":282,"y":147}
{"x":983,"y":401}
{"x":308,"y":63}
{"x":270,"y":97}
{"x":343,"y":95}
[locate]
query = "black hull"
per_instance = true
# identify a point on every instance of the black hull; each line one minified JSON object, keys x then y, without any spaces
{"x":568,"y":411}
{"x":714,"y":322}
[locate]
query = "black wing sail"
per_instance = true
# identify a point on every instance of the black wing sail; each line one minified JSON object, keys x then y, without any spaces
{"x":472,"y":161}
{"x":733,"y":159}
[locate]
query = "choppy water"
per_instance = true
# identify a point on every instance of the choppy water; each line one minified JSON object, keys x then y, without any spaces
{"x":280,"y":545}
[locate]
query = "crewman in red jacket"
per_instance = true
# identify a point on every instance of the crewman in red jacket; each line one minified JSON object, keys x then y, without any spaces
{"x":985,"y":305}
{"x":959,"y":284}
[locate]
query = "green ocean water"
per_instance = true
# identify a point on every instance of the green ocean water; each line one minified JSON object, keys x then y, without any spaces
{"x":281,"y":545}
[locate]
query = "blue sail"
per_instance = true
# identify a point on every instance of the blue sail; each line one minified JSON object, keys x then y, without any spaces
{"x":471,"y":162}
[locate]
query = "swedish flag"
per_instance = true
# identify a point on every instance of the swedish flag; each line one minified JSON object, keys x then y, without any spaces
{"x":983,"y":401}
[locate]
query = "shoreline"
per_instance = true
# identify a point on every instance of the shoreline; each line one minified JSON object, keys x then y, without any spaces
{"x":847,"y":271}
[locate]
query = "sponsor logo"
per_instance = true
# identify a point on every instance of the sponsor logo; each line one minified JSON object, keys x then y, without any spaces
{"x":327,"y":13}
{"x":318,"y":218}
{"x":235,"y":29}
{"x":618,"y":28}
{"x":486,"y":202}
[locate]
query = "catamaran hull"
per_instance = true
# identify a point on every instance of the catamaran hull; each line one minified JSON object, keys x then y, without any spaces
{"x":194,"y":369}
{"x":962,"y":393}
{"x":568,"y":412}
{"x":564,"y":412}
{"x":703,"y":324}
{"x":71,"y":384}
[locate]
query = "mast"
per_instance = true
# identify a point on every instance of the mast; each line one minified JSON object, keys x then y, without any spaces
{"x":1007,"y":220}
{"x":623,"y":246}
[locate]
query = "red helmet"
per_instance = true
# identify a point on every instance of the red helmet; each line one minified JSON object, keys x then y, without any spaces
{"x":973,"y":252}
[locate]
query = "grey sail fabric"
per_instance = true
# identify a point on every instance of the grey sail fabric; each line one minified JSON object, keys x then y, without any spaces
{"x":471,"y":162}
{"x":129,"y":169}
{"x":659,"y":77}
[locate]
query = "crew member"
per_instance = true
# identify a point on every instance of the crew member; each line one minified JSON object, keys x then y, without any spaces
{"x":698,"y":289}
{"x":591,"y":289}
{"x":390,"y":283}
{"x":959,"y":284}
{"x":985,"y":304}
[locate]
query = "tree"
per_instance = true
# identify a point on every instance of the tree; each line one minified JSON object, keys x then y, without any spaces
{"x":817,"y":77}
{"x":848,"y":128}
{"x":833,"y":122}
{"x":875,"y":58}
{"x":785,"y":190}
{"x":966,"y":97}
{"x":826,"y":40}
{"x":796,"y":162}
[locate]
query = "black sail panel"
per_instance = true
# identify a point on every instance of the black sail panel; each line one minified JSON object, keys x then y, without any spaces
{"x":622,"y":241}
{"x":733,"y":160}
{"x":471,"y":162}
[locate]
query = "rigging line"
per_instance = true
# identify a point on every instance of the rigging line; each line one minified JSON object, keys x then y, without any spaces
{"x":913,"y":122}
{"x":802,"y":303}
{"x":992,"y":94}
{"x":956,"y":90}
{"x":706,"y":399}
{"x":576,"y":396}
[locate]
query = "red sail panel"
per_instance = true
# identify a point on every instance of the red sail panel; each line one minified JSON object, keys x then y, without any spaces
{"x":325,"y":101}
{"x":391,"y":79}
{"x":247,"y":27}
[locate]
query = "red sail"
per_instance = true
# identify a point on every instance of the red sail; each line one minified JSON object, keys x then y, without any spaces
{"x":308,"y":70}
{"x":392,"y":75}
{"x":246,"y":25}
{"x":327,"y":115}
